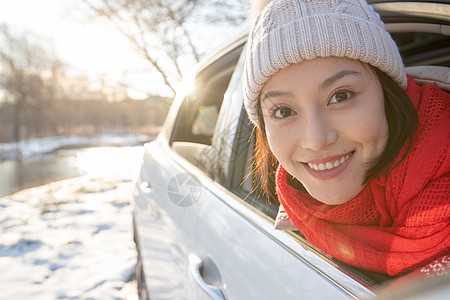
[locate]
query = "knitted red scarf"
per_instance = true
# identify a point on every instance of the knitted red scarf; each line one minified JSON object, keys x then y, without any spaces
{"x":399,"y":221}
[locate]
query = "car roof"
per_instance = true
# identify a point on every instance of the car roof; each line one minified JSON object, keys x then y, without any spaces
{"x":391,"y":10}
{"x":427,"y":1}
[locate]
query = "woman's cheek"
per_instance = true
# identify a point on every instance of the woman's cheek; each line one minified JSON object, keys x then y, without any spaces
{"x":279,"y":142}
{"x":373,"y":131}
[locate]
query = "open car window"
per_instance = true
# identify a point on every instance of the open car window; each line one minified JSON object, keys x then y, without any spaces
{"x":196,"y":119}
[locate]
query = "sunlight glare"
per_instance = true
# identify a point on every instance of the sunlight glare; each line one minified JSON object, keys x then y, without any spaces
{"x":107,"y":160}
{"x":187,"y":85}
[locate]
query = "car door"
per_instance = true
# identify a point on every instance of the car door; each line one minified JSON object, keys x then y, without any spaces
{"x":203,"y":233}
{"x":198,"y":238}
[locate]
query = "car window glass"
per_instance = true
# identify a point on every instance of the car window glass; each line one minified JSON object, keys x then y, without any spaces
{"x":206,"y":116}
{"x":423,"y":48}
{"x":196,"y":120}
{"x":244,"y":183}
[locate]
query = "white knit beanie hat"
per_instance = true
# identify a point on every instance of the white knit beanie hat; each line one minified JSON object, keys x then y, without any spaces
{"x":291,"y":31}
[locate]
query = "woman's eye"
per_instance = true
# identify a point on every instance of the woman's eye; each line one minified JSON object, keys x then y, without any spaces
{"x":283,"y":112}
{"x":340,"y":96}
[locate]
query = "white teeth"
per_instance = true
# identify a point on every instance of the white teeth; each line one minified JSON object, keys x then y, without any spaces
{"x":329,"y":165}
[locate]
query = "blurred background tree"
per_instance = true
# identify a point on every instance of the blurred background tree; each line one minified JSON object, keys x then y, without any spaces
{"x":41,"y":95}
{"x":38,"y":98}
{"x":170,"y":35}
{"x":29,"y":78}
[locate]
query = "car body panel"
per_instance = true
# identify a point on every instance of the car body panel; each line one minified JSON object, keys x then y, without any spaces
{"x":201,"y":238}
{"x":220,"y":228}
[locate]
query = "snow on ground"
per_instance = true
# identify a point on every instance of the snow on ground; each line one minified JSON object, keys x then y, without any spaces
{"x":70,"y":239}
{"x":31,"y":147}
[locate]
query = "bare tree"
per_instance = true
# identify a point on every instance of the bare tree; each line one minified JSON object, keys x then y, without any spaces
{"x":164,"y":32}
{"x":28,"y":75}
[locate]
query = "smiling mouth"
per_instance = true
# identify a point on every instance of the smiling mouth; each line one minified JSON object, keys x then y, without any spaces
{"x":331,"y":164}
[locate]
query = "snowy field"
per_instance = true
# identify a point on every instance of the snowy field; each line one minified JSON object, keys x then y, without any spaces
{"x":32,"y":147}
{"x":70,"y":239}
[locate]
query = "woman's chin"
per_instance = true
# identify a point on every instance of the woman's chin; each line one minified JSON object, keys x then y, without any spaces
{"x":333,"y":198}
{"x":328,"y":201}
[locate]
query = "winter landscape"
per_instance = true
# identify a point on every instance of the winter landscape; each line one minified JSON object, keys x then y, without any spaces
{"x":71,"y":239}
{"x":70,"y":72}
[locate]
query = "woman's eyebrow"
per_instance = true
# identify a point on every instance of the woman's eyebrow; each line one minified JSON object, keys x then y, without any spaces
{"x":324,"y":84}
{"x":336,"y":77}
{"x":271,"y":94}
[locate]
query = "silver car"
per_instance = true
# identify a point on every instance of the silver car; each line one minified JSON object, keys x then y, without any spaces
{"x":202,"y":231}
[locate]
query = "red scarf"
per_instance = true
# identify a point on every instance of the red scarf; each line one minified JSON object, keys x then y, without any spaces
{"x":399,"y":221}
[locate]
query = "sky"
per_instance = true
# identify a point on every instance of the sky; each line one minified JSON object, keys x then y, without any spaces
{"x":94,"y":48}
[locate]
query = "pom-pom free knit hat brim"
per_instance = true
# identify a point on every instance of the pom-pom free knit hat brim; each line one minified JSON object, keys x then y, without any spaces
{"x":291,"y":31}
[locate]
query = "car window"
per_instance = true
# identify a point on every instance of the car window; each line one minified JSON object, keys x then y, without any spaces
{"x":196,"y":120}
{"x":242,"y":181}
{"x":206,"y":116}
{"x":423,"y":48}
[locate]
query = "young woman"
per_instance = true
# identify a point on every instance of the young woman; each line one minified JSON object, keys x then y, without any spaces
{"x":362,"y":151}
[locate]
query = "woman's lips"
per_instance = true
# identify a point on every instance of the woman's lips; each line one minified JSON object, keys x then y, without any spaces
{"x":328,"y":168}
{"x":329,"y":163}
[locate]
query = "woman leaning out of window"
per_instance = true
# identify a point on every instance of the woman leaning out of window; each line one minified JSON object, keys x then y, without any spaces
{"x":361,"y":150}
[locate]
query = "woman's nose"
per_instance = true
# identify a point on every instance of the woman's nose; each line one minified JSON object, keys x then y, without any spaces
{"x":317,"y":133}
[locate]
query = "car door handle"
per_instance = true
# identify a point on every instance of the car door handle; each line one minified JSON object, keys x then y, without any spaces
{"x":195,"y":267}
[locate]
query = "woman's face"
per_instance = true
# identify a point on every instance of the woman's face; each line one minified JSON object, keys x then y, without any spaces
{"x":325,"y":121}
